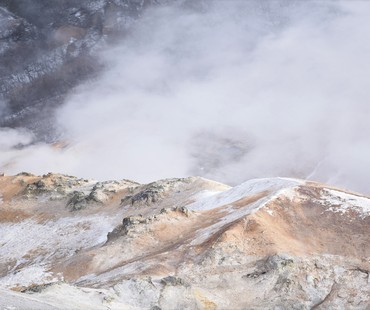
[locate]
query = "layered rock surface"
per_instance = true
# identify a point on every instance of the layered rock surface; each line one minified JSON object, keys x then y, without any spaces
{"x":182,"y":244}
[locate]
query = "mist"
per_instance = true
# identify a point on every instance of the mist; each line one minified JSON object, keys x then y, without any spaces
{"x":228,"y":90}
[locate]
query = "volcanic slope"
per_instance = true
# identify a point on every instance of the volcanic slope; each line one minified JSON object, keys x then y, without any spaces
{"x":69,"y":243}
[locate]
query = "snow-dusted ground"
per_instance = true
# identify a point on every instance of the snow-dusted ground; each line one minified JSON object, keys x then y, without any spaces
{"x":271,"y":188}
{"x":249,"y":188}
{"x":37,"y":244}
{"x":15,"y":301}
{"x":114,"y":280}
{"x":343,"y":202}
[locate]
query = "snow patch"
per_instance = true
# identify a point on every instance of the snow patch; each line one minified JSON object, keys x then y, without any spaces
{"x":274,"y":187}
{"x":28,"y":276}
{"x":343,"y":202}
{"x":60,"y":237}
{"x":41,"y":243}
{"x":249,"y":188}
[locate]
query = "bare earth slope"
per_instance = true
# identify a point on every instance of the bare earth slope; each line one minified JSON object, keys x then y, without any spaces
{"x":69,"y":243}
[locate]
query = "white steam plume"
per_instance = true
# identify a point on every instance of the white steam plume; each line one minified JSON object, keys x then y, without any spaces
{"x":238,"y":90}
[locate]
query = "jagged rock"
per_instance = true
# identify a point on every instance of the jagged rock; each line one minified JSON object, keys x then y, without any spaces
{"x":78,"y":201}
{"x":173,"y":281}
{"x":183,"y":210}
{"x":40,"y":184}
{"x":36,"y":288}
{"x":102,"y":190}
{"x":77,"y":193}
{"x":128,"y":225}
{"x":35,"y":188}
{"x":154,"y":192}
{"x":27,"y":174}
{"x":151,"y":194}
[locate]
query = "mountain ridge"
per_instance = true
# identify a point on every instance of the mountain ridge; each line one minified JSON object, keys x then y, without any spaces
{"x":188,"y":243}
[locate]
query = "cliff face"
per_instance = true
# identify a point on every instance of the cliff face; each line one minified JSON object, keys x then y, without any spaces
{"x":47,"y":48}
{"x":182,"y":244}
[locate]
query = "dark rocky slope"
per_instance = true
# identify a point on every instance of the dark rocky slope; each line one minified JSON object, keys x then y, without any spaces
{"x":49,"y":47}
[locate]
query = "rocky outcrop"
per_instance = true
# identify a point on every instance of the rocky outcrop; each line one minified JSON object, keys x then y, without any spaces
{"x":183,"y":244}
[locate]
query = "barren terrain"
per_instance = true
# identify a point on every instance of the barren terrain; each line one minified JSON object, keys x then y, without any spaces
{"x":69,"y":243}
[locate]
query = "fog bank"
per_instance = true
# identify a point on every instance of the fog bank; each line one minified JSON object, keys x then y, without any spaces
{"x":230,"y":90}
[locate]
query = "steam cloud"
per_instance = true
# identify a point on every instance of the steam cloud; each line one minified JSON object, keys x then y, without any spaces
{"x":231,"y":90}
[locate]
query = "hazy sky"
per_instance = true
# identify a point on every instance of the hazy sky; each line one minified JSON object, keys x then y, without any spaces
{"x":232,"y":91}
